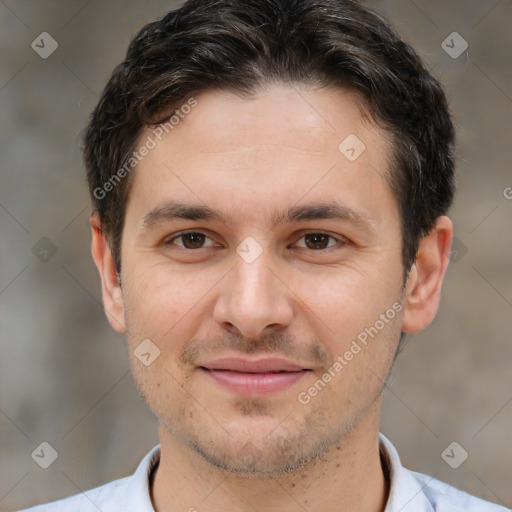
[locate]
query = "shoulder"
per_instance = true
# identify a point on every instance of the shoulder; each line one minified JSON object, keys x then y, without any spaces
{"x":415,"y":492}
{"x":445,"y":498}
{"x":131,"y":493}
{"x":108,"y":497}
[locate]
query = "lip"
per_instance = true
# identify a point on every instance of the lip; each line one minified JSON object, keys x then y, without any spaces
{"x":266,"y":365}
{"x":254,"y":378}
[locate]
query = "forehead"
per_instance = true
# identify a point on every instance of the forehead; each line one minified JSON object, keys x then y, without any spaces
{"x":286,"y":139}
{"x":295,"y":116}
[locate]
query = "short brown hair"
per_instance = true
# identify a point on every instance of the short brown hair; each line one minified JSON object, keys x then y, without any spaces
{"x":238,"y":45}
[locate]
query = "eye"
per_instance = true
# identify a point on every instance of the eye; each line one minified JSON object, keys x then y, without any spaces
{"x":319,"y":241}
{"x":190,"y":240}
{"x":196,"y":240}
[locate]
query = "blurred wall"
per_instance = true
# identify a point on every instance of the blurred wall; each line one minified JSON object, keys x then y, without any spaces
{"x":64,"y":374}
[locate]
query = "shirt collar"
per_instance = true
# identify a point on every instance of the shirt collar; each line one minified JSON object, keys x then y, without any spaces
{"x":138,"y":492}
{"x":405,"y":495}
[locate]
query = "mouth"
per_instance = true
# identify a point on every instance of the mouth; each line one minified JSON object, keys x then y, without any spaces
{"x":254,"y":378}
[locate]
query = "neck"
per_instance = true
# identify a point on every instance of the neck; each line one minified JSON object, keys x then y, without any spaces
{"x":348,"y":477}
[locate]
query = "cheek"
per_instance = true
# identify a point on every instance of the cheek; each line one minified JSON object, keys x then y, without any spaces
{"x":344,"y":302}
{"x":159,"y":296}
{"x":167,"y":306}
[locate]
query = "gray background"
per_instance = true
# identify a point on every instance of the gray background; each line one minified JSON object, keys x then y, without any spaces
{"x":64,"y":375}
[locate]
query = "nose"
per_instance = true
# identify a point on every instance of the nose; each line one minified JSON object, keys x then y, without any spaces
{"x":253,"y":298}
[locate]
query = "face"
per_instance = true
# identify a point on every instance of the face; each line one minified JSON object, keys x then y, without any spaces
{"x":262,"y":259}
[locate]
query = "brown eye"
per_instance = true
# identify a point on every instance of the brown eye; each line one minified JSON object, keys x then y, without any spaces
{"x":191,"y":240}
{"x":318,"y":241}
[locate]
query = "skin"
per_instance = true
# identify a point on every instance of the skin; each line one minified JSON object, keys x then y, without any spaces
{"x":301,"y":300}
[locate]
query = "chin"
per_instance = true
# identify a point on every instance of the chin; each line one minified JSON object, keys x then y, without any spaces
{"x":263,"y":446}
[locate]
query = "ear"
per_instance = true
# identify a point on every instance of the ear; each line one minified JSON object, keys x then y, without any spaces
{"x":425,"y":280}
{"x":111,"y":288}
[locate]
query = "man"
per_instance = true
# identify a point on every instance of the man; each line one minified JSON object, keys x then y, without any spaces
{"x":270,"y":183}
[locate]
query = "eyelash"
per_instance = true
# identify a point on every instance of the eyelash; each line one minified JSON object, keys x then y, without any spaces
{"x":340,"y":242}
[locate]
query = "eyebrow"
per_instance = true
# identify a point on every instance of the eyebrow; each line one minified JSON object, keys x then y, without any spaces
{"x":171,"y":211}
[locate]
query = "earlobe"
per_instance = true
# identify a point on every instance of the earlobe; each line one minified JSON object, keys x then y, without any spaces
{"x":425,"y":280}
{"x":112,"y":293}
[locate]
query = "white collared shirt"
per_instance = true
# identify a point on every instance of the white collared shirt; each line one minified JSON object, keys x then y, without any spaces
{"x":410,"y":492}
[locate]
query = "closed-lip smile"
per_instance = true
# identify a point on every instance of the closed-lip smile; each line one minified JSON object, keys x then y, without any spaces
{"x":254,"y":377}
